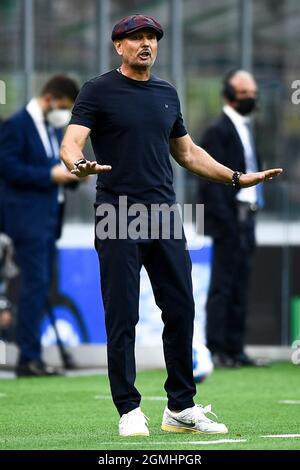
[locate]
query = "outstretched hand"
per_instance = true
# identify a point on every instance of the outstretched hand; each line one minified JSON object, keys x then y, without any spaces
{"x":90,"y":168}
{"x":251,"y":179}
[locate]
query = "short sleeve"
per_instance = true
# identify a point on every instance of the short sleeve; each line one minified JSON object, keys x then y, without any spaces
{"x":178,"y":129}
{"x":86,"y":107}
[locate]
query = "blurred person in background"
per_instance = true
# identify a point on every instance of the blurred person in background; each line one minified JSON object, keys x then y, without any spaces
{"x":1,"y":194}
{"x":230,"y":220}
{"x":5,"y":305}
{"x":8,"y":271}
{"x":31,"y":174}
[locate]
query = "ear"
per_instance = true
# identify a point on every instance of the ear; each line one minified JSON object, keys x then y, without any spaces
{"x":118,"y":46}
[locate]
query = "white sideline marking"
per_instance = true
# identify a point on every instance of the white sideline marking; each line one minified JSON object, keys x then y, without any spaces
{"x":163,"y":443}
{"x":108,"y":397}
{"x":289,"y":402}
{"x":282,"y":436}
{"x":219,"y":441}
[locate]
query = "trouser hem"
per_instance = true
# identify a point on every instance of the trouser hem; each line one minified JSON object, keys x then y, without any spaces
{"x":127,"y":408}
{"x":180,"y":406}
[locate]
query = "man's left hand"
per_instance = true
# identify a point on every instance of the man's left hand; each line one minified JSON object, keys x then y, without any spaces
{"x":251,"y":179}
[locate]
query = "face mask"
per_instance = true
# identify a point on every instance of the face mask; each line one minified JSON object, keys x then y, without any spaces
{"x":59,"y":117}
{"x":245,"y":106}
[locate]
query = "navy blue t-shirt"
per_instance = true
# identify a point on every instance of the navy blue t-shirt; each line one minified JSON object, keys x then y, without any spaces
{"x":131,"y":123}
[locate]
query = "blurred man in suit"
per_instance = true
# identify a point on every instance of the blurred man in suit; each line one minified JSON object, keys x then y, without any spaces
{"x":1,"y":193}
{"x":230,"y":221}
{"x":31,"y":173}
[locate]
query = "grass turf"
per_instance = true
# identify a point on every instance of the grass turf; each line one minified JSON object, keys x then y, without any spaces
{"x":63,"y":413}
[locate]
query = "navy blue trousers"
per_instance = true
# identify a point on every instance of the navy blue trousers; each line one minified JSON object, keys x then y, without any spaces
{"x":169,"y":268}
{"x":34,"y":258}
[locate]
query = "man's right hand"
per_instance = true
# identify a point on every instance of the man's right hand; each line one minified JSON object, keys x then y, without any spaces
{"x":60,"y":175}
{"x":90,"y":168}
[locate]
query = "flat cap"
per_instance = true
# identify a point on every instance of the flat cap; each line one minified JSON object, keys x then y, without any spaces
{"x":133,"y":23}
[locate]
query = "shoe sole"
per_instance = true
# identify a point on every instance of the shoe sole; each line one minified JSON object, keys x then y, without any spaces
{"x":176,"y":429}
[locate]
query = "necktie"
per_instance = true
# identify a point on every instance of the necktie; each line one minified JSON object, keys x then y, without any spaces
{"x":50,"y":138}
{"x":259,"y":187}
{"x":54,"y":154}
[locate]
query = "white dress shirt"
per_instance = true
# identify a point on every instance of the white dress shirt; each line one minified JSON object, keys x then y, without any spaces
{"x":240,"y":123}
{"x":36,"y":112}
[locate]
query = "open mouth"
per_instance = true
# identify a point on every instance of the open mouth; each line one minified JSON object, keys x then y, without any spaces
{"x":144,"y":55}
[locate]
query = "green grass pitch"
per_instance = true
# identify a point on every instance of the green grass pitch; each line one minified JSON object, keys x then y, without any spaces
{"x":64,"y":413}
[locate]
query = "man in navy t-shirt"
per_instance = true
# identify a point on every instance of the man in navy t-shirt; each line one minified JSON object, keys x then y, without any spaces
{"x":131,"y":124}
{"x":134,"y":121}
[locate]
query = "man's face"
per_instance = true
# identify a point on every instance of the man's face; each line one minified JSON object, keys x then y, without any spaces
{"x":58,"y":103}
{"x":57,"y":110}
{"x":245,"y":90}
{"x":64,"y":103}
{"x":139,"y":49}
{"x":244,"y":86}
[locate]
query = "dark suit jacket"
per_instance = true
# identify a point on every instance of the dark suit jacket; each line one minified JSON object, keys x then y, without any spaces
{"x":29,"y":198}
{"x":223,"y":143}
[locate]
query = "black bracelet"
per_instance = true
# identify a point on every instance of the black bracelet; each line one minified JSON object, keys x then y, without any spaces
{"x":235,"y":180}
{"x":81,"y":161}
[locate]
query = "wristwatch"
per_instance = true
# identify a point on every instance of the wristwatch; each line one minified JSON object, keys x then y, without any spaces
{"x":235,"y":180}
{"x":81,"y":161}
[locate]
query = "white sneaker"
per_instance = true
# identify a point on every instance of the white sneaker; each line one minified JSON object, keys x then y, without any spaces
{"x":134,"y":423}
{"x":192,"y":420}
